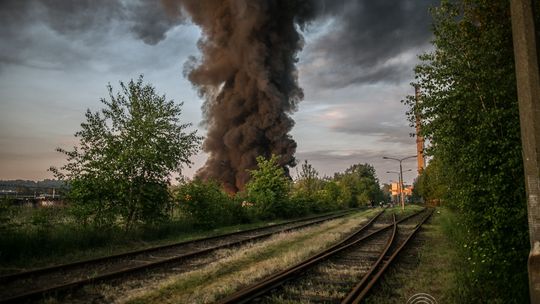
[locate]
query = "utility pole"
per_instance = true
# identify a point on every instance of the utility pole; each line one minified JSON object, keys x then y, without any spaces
{"x":528,"y":88}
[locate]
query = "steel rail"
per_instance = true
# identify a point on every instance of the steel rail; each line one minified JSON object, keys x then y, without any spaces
{"x":253,"y":291}
{"x":33,"y":294}
{"x":352,"y":295}
{"x":362,"y":289}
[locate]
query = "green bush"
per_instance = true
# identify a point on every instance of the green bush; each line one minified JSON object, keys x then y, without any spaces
{"x":208,"y":204}
{"x":269,"y":189}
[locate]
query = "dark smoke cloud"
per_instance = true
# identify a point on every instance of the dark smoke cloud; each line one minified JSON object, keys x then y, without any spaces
{"x":248,"y":78}
{"x":367,"y":39}
{"x":247,"y":72}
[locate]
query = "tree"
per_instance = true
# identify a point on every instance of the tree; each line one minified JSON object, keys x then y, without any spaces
{"x":363,"y":184}
{"x":431,"y":185}
{"x":269,"y":188}
{"x":308,"y":180}
{"x":127,"y":151}
{"x":470,"y":115}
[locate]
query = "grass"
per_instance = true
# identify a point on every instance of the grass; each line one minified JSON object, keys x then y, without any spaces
{"x":42,"y":237}
{"x":238,"y":268}
{"x":429,"y":265}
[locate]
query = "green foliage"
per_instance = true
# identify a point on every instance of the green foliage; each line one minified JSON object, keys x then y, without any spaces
{"x":50,"y":233}
{"x":207,"y":203}
{"x":313,"y":194}
{"x":308,"y":179}
{"x":120,"y":170}
{"x":431,"y":185}
{"x":7,"y":212}
{"x":470,"y":115}
{"x":362,"y":184}
{"x":269,"y":188}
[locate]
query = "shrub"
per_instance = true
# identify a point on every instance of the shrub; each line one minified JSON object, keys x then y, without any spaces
{"x":269,"y":188}
{"x":208,"y":204}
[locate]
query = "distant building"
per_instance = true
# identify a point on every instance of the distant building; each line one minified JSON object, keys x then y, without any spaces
{"x":407,"y":191}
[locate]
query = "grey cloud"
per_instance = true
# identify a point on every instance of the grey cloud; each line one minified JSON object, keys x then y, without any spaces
{"x":146,"y":18}
{"x":384,"y":120}
{"x":383,"y":130}
{"x":362,"y":45}
{"x":63,"y":16}
{"x":57,"y":34}
{"x":366,"y":40}
{"x":151,"y":22}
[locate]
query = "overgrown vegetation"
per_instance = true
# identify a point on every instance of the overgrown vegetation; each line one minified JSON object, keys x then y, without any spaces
{"x":36,"y":237}
{"x":28,"y":235}
{"x":469,"y":112}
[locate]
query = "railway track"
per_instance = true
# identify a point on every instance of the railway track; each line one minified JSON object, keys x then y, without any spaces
{"x":344,"y":273}
{"x":54,"y":280}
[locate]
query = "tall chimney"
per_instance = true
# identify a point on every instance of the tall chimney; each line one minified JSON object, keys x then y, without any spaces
{"x":419,"y":137}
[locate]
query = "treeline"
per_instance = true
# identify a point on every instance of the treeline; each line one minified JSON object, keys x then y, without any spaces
{"x":193,"y":205}
{"x":29,"y":184}
{"x":469,"y":112}
{"x":270,"y":194}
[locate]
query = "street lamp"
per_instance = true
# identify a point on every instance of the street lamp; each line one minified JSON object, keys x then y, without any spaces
{"x":400,"y":175}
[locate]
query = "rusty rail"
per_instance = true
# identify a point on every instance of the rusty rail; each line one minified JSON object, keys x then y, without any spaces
{"x":262,"y":287}
{"x":362,"y":289}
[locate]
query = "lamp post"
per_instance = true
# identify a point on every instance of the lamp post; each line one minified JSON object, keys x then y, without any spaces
{"x":400,"y":176}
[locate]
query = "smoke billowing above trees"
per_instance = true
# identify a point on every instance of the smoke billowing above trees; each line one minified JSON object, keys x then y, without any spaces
{"x":247,"y":70}
{"x":248,"y":78}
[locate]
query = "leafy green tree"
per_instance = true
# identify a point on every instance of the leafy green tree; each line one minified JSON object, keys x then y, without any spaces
{"x":362,"y":183}
{"x":127,"y":151}
{"x":469,"y":112}
{"x":269,"y":188}
{"x":308,"y":179}
{"x":431,"y":185}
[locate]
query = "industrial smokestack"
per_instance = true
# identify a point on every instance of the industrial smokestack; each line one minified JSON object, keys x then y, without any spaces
{"x":248,"y":78}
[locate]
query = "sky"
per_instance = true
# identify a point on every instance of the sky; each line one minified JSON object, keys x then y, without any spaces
{"x":57,"y":56}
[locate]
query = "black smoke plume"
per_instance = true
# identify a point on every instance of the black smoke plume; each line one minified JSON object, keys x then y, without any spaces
{"x":248,"y":78}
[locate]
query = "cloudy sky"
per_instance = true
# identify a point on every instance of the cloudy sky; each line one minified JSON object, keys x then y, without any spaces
{"x":57,"y":56}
